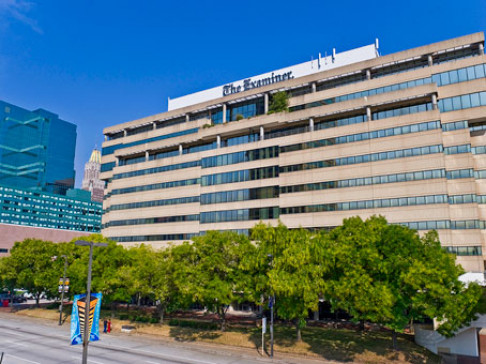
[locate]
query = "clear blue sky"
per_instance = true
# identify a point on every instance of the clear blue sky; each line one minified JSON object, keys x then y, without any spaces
{"x":99,"y":63}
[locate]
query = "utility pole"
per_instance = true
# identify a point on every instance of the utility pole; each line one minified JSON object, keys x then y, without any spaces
{"x":271,"y":303}
{"x":63,"y":285}
{"x":88,"y":296}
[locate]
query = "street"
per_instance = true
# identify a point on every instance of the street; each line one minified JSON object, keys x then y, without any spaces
{"x":25,"y":341}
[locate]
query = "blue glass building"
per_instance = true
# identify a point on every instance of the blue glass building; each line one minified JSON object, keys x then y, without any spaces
{"x":36,"y":149}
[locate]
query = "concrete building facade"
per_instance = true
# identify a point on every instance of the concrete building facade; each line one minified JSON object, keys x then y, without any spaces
{"x":399,"y":135}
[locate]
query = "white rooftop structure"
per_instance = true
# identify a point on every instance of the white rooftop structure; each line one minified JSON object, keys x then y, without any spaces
{"x":299,"y":70}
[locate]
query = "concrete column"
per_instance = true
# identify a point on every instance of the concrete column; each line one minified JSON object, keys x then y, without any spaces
{"x":434,"y":101}
{"x":147,"y":157}
{"x":224,"y":113}
{"x":124,"y":132}
{"x":430,"y":60}
{"x":311,"y":124}
{"x":481,"y":49}
{"x":265,"y":103}
{"x":313,"y":87}
{"x":187,"y":118}
{"x":154,"y":126}
{"x":262,"y":133}
{"x":482,"y":345}
{"x":117,"y":161}
{"x":218,"y":141}
{"x":368,"y":74}
{"x":316,"y":315}
{"x":180,"y":149}
{"x":106,"y":138}
{"x":368,"y":113}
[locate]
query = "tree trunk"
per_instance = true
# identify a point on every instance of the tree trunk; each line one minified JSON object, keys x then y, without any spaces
{"x":223,"y":319}
{"x":37,"y":299}
{"x":113,"y":307}
{"x":394,"y":340}
{"x":361,"y":326}
{"x":298,"y":330}
{"x":161,"y":310}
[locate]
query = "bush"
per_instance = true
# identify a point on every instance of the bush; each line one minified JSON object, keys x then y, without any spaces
{"x":239,"y":117}
{"x":280,"y":102}
{"x":123,"y":316}
{"x":53,"y":306}
{"x":202,"y":325}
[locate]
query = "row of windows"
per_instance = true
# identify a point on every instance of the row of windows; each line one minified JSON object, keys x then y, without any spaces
{"x":373,"y":157}
{"x":479,"y":150}
{"x":400,"y":130}
{"x":240,"y":195}
{"x":245,"y":110}
{"x":463,"y":102}
{"x":365,"y":93}
{"x":240,"y":176}
{"x":458,"y":149}
{"x":153,"y":220}
{"x":367,"y":204}
{"x":460,"y":173}
{"x":406,"y":110}
{"x":240,"y":215}
{"x":143,"y":172}
{"x":105,"y":167}
{"x":459,"y":75}
{"x":445,"y":224}
{"x":156,"y":186}
{"x":112,"y":148}
{"x":464,"y":250}
{"x":457,"y":125}
{"x":162,"y":237}
{"x":365,"y":181}
{"x":164,"y":154}
{"x":240,"y":157}
{"x":166,"y":202}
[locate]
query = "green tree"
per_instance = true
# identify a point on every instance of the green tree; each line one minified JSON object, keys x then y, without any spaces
{"x":30,"y":266}
{"x":279,"y":102}
{"x":107,"y":264}
{"x":390,"y":275}
{"x":209,"y":272}
{"x":289,"y":264}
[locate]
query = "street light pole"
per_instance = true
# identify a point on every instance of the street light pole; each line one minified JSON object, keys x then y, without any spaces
{"x":88,"y":296}
{"x":63,"y":285}
{"x":272,"y":300}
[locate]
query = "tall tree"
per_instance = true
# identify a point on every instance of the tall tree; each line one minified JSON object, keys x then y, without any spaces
{"x":30,"y":266}
{"x":293,"y":264}
{"x":210,"y":273}
{"x":390,"y":275}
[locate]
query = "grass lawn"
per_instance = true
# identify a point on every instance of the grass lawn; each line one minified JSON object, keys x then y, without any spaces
{"x":330,"y":344}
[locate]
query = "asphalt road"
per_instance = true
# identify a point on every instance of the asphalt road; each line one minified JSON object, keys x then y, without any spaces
{"x":28,"y":341}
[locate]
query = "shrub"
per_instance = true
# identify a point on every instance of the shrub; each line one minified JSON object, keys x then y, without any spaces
{"x":202,"y":325}
{"x":280,"y":102}
{"x":239,"y":117}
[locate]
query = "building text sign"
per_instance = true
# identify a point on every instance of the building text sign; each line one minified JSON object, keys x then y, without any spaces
{"x":249,"y":83}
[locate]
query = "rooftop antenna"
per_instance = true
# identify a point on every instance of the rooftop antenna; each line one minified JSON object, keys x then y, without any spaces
{"x":377,"y":47}
{"x":319,"y":61}
{"x":312,"y":62}
{"x":333,"y":55}
{"x":325,"y":58}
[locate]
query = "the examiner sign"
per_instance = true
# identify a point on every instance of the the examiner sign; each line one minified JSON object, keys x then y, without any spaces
{"x":249,"y":84}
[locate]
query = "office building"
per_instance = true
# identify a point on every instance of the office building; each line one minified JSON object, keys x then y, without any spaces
{"x":399,"y":135}
{"x":36,"y":149}
{"x":91,"y":179}
{"x":37,"y":194}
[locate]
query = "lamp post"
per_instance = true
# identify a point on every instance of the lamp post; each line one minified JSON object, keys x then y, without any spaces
{"x":271,"y":303}
{"x":88,"y":295}
{"x":63,"y":285}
